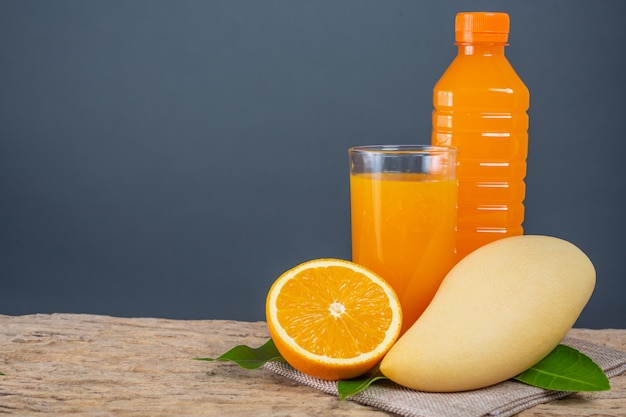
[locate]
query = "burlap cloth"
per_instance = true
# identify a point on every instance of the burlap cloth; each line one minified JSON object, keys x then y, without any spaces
{"x":505,"y":399}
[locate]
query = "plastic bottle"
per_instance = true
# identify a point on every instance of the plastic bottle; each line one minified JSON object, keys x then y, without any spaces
{"x":480,"y":106}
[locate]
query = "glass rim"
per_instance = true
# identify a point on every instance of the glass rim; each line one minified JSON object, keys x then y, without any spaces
{"x":403,"y":149}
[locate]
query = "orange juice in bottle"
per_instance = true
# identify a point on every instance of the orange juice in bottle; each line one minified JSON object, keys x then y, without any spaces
{"x":403,"y":221}
{"x":480,"y":106}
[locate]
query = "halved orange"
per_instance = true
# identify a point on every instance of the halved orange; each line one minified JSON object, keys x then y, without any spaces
{"x":332,"y":319}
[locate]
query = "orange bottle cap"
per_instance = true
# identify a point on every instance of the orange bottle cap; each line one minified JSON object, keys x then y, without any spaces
{"x":481,"y":27}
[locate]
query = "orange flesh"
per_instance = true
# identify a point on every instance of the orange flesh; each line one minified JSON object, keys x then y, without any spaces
{"x":340,"y":321}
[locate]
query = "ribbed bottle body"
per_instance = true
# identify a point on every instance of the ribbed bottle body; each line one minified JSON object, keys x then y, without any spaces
{"x":480,"y":107}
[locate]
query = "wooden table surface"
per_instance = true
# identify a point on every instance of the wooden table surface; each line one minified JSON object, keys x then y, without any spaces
{"x":63,"y":364}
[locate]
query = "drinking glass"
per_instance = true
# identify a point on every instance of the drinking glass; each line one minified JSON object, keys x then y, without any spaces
{"x":403,"y":211}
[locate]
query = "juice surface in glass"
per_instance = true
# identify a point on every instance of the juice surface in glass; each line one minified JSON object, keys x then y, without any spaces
{"x":403,"y":228}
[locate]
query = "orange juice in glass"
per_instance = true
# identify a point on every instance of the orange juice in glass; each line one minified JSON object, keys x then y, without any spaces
{"x":403,"y":208}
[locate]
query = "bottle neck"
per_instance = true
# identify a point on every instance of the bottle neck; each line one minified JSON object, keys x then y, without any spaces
{"x":484,"y":49}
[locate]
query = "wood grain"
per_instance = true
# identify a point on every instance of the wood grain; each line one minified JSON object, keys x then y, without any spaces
{"x":63,"y":364}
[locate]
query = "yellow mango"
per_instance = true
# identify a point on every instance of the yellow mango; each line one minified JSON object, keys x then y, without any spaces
{"x":499,"y":311}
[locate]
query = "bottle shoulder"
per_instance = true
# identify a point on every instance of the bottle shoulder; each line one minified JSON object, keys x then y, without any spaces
{"x":481,"y":80}
{"x":479,"y":71}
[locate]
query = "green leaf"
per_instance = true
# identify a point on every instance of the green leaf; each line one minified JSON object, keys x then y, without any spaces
{"x":1,"y":373}
{"x":566,"y":369}
{"x":349,"y":387}
{"x":249,"y":358}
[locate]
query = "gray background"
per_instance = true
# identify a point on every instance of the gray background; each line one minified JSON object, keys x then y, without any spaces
{"x":172,"y":158}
